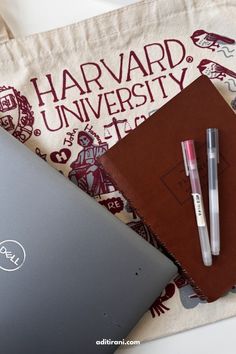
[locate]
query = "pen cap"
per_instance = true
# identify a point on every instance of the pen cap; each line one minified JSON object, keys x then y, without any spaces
{"x":189,"y":155}
{"x":213,"y":141}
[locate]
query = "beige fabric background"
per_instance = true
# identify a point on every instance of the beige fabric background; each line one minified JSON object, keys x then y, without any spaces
{"x":3,"y":31}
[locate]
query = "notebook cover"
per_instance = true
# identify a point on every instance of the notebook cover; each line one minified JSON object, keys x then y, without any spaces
{"x":147,"y":166}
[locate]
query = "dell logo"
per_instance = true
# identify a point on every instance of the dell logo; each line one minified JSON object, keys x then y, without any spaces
{"x":12,"y":255}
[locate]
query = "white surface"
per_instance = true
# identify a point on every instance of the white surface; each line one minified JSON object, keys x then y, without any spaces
{"x":29,"y":16}
{"x":218,"y":338}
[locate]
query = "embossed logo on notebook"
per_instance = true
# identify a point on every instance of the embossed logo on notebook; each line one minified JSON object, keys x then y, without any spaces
{"x":177,"y":182}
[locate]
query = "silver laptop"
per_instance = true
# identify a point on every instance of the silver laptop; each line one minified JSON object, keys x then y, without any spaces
{"x":71,"y":274}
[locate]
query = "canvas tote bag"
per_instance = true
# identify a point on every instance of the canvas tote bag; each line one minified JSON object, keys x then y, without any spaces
{"x":3,"y":31}
{"x":71,"y":93}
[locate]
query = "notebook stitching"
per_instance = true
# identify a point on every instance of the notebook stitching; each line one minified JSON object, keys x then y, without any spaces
{"x":182,"y":270}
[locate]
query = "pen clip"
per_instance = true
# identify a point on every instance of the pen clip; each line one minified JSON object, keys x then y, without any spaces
{"x":213,"y":142}
{"x":217,"y":146}
{"x":185,"y":158}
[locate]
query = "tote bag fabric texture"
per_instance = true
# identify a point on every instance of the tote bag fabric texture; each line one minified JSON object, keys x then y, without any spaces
{"x":72,"y":93}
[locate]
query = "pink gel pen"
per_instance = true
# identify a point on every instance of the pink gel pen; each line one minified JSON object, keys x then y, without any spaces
{"x":190,"y":163}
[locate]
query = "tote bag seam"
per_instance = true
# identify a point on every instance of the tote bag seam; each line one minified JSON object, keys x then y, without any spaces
{"x":54,"y":33}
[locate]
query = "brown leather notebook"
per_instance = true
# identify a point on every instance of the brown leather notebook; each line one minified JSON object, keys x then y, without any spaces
{"x":147,"y":166}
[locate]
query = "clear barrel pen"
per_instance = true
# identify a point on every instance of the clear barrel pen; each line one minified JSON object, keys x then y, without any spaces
{"x":191,"y":170}
{"x":213,"y":160}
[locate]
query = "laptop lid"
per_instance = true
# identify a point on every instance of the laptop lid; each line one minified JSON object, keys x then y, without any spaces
{"x":70,"y":272}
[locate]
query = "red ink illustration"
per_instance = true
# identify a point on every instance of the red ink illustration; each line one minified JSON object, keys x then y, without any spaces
{"x":189,"y":59}
{"x":70,"y":136}
{"x":89,"y":129}
{"x":114,"y":205}
{"x":115,"y":123}
{"x":208,"y":40}
{"x":61,"y":156}
{"x":40,"y":154}
{"x":86,"y":172}
{"x":7,"y":123}
{"x":16,"y":115}
{"x":214,"y":70}
{"x":7,"y":102}
{"x":139,"y":120}
{"x":180,"y":281}
{"x":158,"y":306}
{"x":37,"y":132}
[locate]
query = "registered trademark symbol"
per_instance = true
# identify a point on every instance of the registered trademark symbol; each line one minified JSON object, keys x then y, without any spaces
{"x":189,"y":59}
{"x":37,"y":132}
